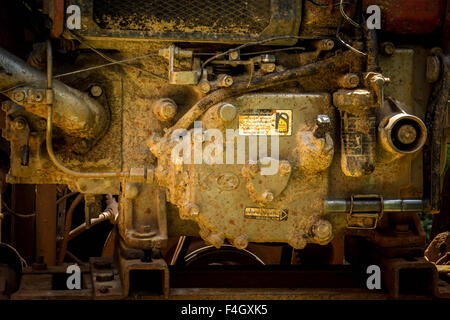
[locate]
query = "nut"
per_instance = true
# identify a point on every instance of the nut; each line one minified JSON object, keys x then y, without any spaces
{"x":225,"y":80}
{"x":323,"y":123}
{"x":165,"y":109}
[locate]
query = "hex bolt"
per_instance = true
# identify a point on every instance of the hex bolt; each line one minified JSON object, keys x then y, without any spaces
{"x":204,"y":86}
{"x":193,"y":210}
{"x":268,"y":196}
{"x":165,"y":109}
{"x":227,"y":112}
{"x":322,"y":231}
{"x":224,"y":80}
{"x":285,"y":168}
{"x":96,"y":91}
{"x":19,"y":95}
{"x":407,"y":134}
{"x":20,"y":123}
{"x":323,"y":123}
{"x":241,"y":242}
{"x":349,"y":81}
{"x":388,"y":48}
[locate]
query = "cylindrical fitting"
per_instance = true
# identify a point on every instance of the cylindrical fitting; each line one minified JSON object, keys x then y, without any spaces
{"x":402,"y":133}
{"x":74,"y":112}
{"x":358,"y":131}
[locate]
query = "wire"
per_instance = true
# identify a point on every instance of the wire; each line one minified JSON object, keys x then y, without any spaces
{"x":345,"y":43}
{"x":253,"y":43}
{"x":19,"y":215}
{"x":22,"y":260}
{"x":323,"y":5}
{"x":113,"y":60}
{"x":341,"y":7}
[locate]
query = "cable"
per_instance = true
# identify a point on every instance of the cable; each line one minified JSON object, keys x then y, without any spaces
{"x":341,"y":7}
{"x":113,"y":60}
{"x":19,"y":215}
{"x":323,"y":5}
{"x":253,"y":43}
{"x":345,"y":43}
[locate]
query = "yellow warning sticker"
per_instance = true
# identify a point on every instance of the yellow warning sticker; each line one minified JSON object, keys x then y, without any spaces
{"x":266,"y":214}
{"x":265,"y":122}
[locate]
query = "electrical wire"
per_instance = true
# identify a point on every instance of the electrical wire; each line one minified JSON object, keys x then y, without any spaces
{"x":113,"y":60}
{"x":253,"y":43}
{"x":346,"y":17}
{"x":323,"y":5}
{"x":19,"y":215}
{"x":345,"y":43}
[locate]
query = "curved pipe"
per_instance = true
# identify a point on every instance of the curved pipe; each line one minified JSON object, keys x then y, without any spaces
{"x":75,"y":112}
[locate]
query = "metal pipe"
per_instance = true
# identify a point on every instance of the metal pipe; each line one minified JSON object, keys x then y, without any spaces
{"x":76,"y":113}
{"x":49,"y":133}
{"x":369,"y":205}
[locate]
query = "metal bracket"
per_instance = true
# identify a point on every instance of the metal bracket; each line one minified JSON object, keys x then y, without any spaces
{"x":364,"y":220}
{"x":180,"y":77}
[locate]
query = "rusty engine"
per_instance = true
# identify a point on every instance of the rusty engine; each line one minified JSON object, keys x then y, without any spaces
{"x":246,"y":124}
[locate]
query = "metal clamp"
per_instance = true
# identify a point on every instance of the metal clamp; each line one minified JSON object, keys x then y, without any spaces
{"x":364,"y":220}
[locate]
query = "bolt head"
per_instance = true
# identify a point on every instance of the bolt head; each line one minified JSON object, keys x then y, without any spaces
{"x":241,"y":242}
{"x":285,"y":168}
{"x":227,"y":112}
{"x":19,"y":95}
{"x":96,"y":91}
{"x":20,"y":124}
{"x":388,"y":48}
{"x":322,"y":230}
{"x":234,"y":55}
{"x":204,"y":86}
{"x":193,"y":210}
